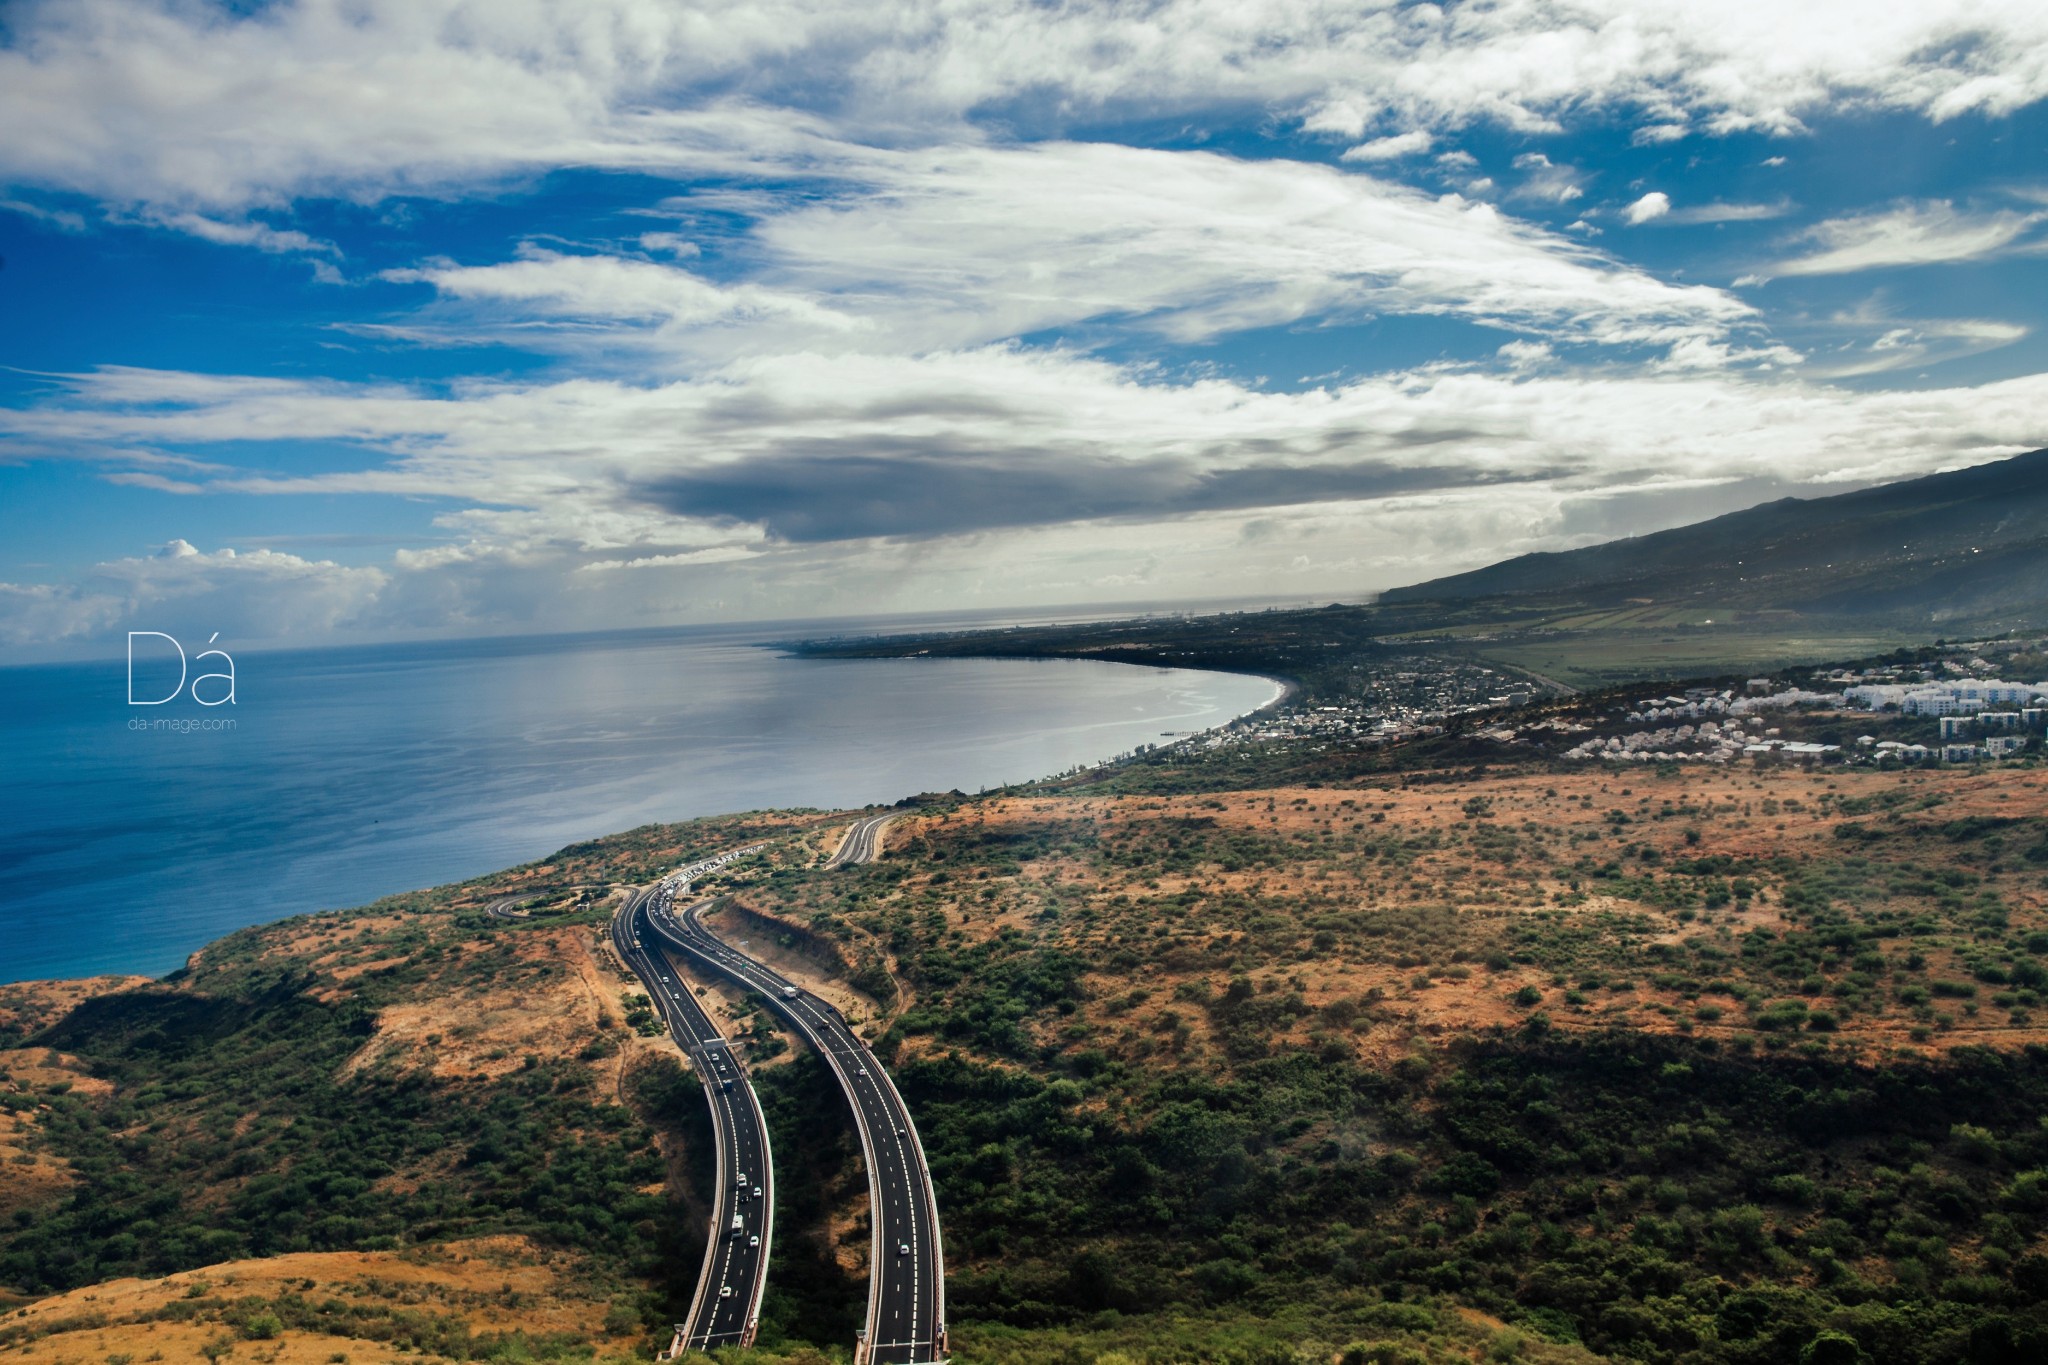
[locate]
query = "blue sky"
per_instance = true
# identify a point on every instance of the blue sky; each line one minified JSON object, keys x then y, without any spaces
{"x":329,"y":322}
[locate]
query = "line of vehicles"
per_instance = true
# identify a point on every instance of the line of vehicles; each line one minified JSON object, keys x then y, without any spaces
{"x":906,"y":1282}
{"x":726,"y":1308}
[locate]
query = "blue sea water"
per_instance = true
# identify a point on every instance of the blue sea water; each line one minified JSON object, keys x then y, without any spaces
{"x":354,"y":773}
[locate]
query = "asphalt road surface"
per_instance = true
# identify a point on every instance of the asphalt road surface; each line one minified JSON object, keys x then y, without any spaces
{"x":906,"y":1322}
{"x":727,"y":1308}
{"x":863,"y":841}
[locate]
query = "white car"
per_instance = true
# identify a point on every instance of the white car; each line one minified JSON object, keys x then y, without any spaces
{"x":755,"y":1240}
{"x":725,"y":1291}
{"x":903,"y":1248}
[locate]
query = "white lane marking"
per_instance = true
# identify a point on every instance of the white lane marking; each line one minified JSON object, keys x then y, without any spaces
{"x":875,"y":1096}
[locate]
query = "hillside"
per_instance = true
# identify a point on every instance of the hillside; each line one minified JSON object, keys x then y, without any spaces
{"x":416,"y":1073}
{"x":1794,"y":582}
{"x":1401,"y":1061}
{"x":490,"y":1297}
{"x":1966,"y":549}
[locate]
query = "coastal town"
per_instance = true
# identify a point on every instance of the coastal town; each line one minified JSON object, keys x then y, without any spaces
{"x":1952,"y":709}
{"x":1383,"y":702}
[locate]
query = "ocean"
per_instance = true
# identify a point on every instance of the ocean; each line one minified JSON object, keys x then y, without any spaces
{"x":350,"y":774}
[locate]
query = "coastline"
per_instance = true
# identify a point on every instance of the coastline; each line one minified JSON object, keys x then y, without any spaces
{"x":1071,"y":733}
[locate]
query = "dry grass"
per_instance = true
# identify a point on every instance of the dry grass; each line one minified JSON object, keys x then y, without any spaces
{"x":31,"y":1006}
{"x":1106,"y":908}
{"x":483,"y":1028}
{"x":492,"y":1284}
{"x":28,"y":1176}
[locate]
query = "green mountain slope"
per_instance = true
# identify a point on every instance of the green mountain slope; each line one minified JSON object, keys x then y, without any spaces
{"x":1963,"y":548}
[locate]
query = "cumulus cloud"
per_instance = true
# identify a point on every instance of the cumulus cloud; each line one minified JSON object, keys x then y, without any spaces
{"x":1907,"y":234}
{"x":259,"y":595}
{"x":838,"y":392}
{"x":1012,"y":435}
{"x":1655,"y":204}
{"x":189,"y":104}
{"x":796,"y":484}
{"x":1547,"y":182}
{"x":1525,"y":354}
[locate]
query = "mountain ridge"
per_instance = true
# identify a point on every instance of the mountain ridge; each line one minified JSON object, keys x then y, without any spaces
{"x":1967,"y":546}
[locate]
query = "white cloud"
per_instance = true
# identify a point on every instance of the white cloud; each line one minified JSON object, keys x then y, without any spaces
{"x":964,"y":246}
{"x":713,"y":554}
{"x":259,"y":595}
{"x":543,"y":287}
{"x":64,"y":220}
{"x":1720,"y":212}
{"x":1393,"y":148}
{"x":1701,"y":353}
{"x":261,"y":236}
{"x":49,"y":613}
{"x":141,"y":478}
{"x":1897,"y":343}
{"x":1930,"y":233}
{"x":1346,"y":117}
{"x":1547,"y":182}
{"x":1655,"y":134}
{"x":801,"y":484}
{"x":176,"y":102}
{"x":836,"y":393}
{"x":1655,"y":204}
{"x":975,"y":244}
{"x":669,"y":244}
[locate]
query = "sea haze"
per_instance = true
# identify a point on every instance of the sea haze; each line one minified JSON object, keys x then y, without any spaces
{"x":352,"y":774}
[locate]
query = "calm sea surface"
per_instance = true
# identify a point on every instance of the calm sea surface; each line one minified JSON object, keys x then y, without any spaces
{"x":351,"y":774}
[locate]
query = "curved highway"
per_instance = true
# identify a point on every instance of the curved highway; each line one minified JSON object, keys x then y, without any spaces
{"x":906,"y":1322}
{"x":862,"y":842}
{"x":727,"y":1308}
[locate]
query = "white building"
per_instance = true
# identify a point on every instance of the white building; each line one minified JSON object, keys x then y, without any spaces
{"x":1963,"y":697}
{"x":1877,"y":696}
{"x":1932,"y":702}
